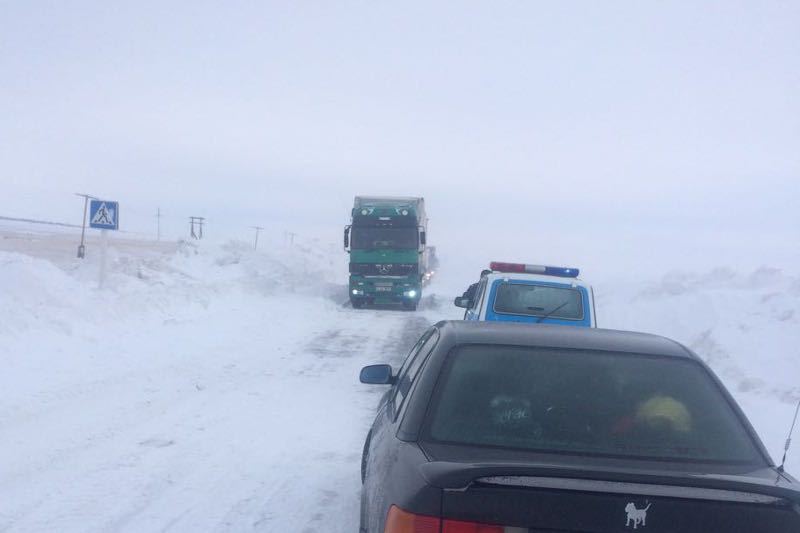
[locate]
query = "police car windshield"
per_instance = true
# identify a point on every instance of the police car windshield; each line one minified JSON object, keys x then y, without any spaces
{"x":384,"y":238}
{"x":587,"y":403}
{"x":538,"y":300}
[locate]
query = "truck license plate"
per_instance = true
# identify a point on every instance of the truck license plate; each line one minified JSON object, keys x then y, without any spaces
{"x":383,"y":289}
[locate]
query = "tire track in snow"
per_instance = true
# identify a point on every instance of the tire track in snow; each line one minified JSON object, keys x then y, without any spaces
{"x":325,"y":496}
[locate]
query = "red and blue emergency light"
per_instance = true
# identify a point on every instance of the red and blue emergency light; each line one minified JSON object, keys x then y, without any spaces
{"x":522,"y":268}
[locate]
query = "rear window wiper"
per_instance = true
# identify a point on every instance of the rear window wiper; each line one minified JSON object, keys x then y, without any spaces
{"x":547,"y":315}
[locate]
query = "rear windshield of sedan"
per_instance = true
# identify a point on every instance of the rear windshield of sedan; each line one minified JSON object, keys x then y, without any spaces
{"x":538,"y":300}
{"x":595,"y":403}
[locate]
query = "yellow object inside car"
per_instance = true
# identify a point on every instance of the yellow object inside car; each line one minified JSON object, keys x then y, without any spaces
{"x":664,"y":412}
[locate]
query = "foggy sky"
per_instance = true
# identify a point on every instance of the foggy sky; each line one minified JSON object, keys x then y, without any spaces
{"x":627,"y":133}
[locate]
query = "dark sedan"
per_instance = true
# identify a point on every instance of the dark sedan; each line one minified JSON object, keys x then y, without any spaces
{"x":492,"y":427}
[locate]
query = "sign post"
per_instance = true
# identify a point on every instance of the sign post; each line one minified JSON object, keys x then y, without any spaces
{"x":103,"y":216}
{"x":103,"y":257}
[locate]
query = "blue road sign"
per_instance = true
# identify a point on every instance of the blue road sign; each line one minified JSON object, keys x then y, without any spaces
{"x":104,"y":215}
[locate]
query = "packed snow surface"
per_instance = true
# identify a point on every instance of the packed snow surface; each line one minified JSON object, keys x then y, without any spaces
{"x":214,"y":388}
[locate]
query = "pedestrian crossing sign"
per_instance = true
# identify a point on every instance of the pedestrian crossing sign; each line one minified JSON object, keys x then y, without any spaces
{"x":104,"y":215}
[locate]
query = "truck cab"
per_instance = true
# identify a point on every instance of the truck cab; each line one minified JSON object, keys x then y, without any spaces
{"x":515,"y":292}
{"x":389,"y":256}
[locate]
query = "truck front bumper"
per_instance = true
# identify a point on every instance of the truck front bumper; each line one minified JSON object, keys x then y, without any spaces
{"x":384,"y":290}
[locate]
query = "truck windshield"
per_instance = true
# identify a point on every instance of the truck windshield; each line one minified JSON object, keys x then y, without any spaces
{"x":384,"y":238}
{"x":586,"y":402}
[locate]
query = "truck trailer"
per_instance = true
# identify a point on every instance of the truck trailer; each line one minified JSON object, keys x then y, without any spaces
{"x":389,"y":256}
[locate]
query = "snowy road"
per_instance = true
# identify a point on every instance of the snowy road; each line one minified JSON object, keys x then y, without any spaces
{"x":215,"y":389}
{"x":236,"y":411}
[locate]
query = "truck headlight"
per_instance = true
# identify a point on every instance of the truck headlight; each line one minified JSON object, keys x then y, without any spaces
{"x":411,"y":294}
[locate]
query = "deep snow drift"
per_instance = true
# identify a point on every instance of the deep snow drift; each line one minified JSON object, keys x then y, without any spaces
{"x":745,"y":326}
{"x":213,"y":388}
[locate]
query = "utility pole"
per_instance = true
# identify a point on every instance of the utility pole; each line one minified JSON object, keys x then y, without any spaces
{"x":196,"y":221}
{"x":158,"y":218}
{"x":258,"y":229}
{"x":290,"y":237}
{"x":81,"y":246}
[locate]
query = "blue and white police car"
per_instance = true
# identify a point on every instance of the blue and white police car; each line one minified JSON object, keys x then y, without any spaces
{"x":516,"y":292}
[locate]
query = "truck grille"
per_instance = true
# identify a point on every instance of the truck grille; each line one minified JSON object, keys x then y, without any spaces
{"x":383,"y":269}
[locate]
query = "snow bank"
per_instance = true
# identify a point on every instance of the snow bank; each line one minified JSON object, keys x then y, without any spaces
{"x":35,"y":294}
{"x":39,"y":295}
{"x":746,"y":326}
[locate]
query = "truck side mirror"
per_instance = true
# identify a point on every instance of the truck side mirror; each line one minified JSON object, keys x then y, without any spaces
{"x":422,"y":238}
{"x":347,"y":237}
{"x":463,"y":301}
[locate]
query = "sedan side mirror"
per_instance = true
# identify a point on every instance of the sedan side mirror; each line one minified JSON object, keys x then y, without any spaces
{"x":377,"y":375}
{"x":463,"y":301}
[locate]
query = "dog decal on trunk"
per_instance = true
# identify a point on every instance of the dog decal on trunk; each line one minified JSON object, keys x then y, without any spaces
{"x":637,"y":516}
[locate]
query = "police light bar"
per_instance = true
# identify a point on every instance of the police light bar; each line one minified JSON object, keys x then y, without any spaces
{"x":534,"y":269}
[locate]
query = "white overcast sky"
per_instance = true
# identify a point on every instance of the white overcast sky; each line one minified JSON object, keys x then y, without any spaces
{"x":578,"y":132}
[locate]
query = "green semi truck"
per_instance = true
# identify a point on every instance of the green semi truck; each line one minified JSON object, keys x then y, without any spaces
{"x":390,"y":260}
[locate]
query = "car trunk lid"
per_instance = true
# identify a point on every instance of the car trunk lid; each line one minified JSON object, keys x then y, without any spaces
{"x":546,"y":499}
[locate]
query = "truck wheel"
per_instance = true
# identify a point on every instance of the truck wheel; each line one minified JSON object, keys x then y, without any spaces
{"x":357,"y":304}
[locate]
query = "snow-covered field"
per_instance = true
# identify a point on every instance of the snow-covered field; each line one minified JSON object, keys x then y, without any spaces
{"x":213,"y":388}
{"x":745,"y":325}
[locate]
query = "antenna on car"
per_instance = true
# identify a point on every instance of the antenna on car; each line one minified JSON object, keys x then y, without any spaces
{"x":789,"y":438}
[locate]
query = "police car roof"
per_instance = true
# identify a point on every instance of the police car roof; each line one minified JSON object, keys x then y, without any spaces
{"x":456,"y":332}
{"x":536,"y":277}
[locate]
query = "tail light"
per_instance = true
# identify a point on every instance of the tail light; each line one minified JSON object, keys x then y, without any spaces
{"x":455,"y":526}
{"x":400,"y":521}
